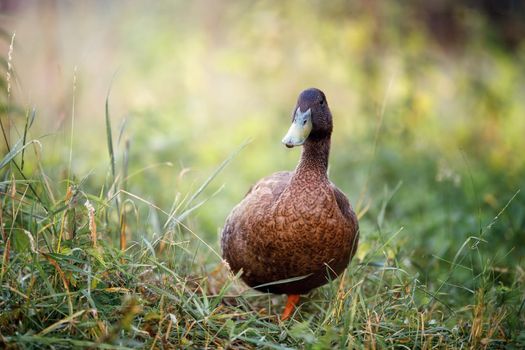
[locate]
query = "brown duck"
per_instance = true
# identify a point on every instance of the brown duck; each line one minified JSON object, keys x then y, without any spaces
{"x":294,"y":230}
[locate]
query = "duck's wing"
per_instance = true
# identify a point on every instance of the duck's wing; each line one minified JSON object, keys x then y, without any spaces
{"x":344,"y":206}
{"x":246,"y":220}
{"x":275,"y":183}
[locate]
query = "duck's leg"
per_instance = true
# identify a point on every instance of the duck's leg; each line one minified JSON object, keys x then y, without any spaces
{"x":293,"y":299}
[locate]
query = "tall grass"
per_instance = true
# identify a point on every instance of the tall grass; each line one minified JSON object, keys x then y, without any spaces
{"x":66,"y":282}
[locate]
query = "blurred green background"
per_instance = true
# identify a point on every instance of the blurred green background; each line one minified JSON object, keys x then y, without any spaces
{"x":428,"y":101}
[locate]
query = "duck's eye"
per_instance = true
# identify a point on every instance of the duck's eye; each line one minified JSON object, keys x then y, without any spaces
{"x":321,"y":102}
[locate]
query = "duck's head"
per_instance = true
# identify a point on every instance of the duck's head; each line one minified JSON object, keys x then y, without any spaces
{"x":311,"y":119}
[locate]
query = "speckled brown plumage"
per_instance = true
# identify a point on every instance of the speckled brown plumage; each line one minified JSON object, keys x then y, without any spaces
{"x":293,"y":224}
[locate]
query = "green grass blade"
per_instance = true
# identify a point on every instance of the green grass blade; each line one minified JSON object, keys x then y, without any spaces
{"x":17,"y":148}
{"x":109,"y":137}
{"x":29,"y":121}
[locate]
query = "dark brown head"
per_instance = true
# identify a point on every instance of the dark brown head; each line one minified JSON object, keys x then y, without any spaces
{"x":311,"y":119}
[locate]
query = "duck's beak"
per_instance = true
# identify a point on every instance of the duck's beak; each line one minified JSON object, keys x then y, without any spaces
{"x":300,"y":129}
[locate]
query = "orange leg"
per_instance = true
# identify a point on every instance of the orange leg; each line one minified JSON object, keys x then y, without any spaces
{"x":293,"y":299}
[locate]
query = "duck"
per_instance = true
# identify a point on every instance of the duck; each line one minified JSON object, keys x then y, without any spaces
{"x":294,"y":230}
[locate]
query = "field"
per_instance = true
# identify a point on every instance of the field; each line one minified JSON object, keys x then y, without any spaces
{"x":130,"y":131}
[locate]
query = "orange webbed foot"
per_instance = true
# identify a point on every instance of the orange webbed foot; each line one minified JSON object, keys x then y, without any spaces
{"x":293,"y":299}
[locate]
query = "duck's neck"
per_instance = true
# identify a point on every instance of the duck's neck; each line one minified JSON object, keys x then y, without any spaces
{"x":314,"y":158}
